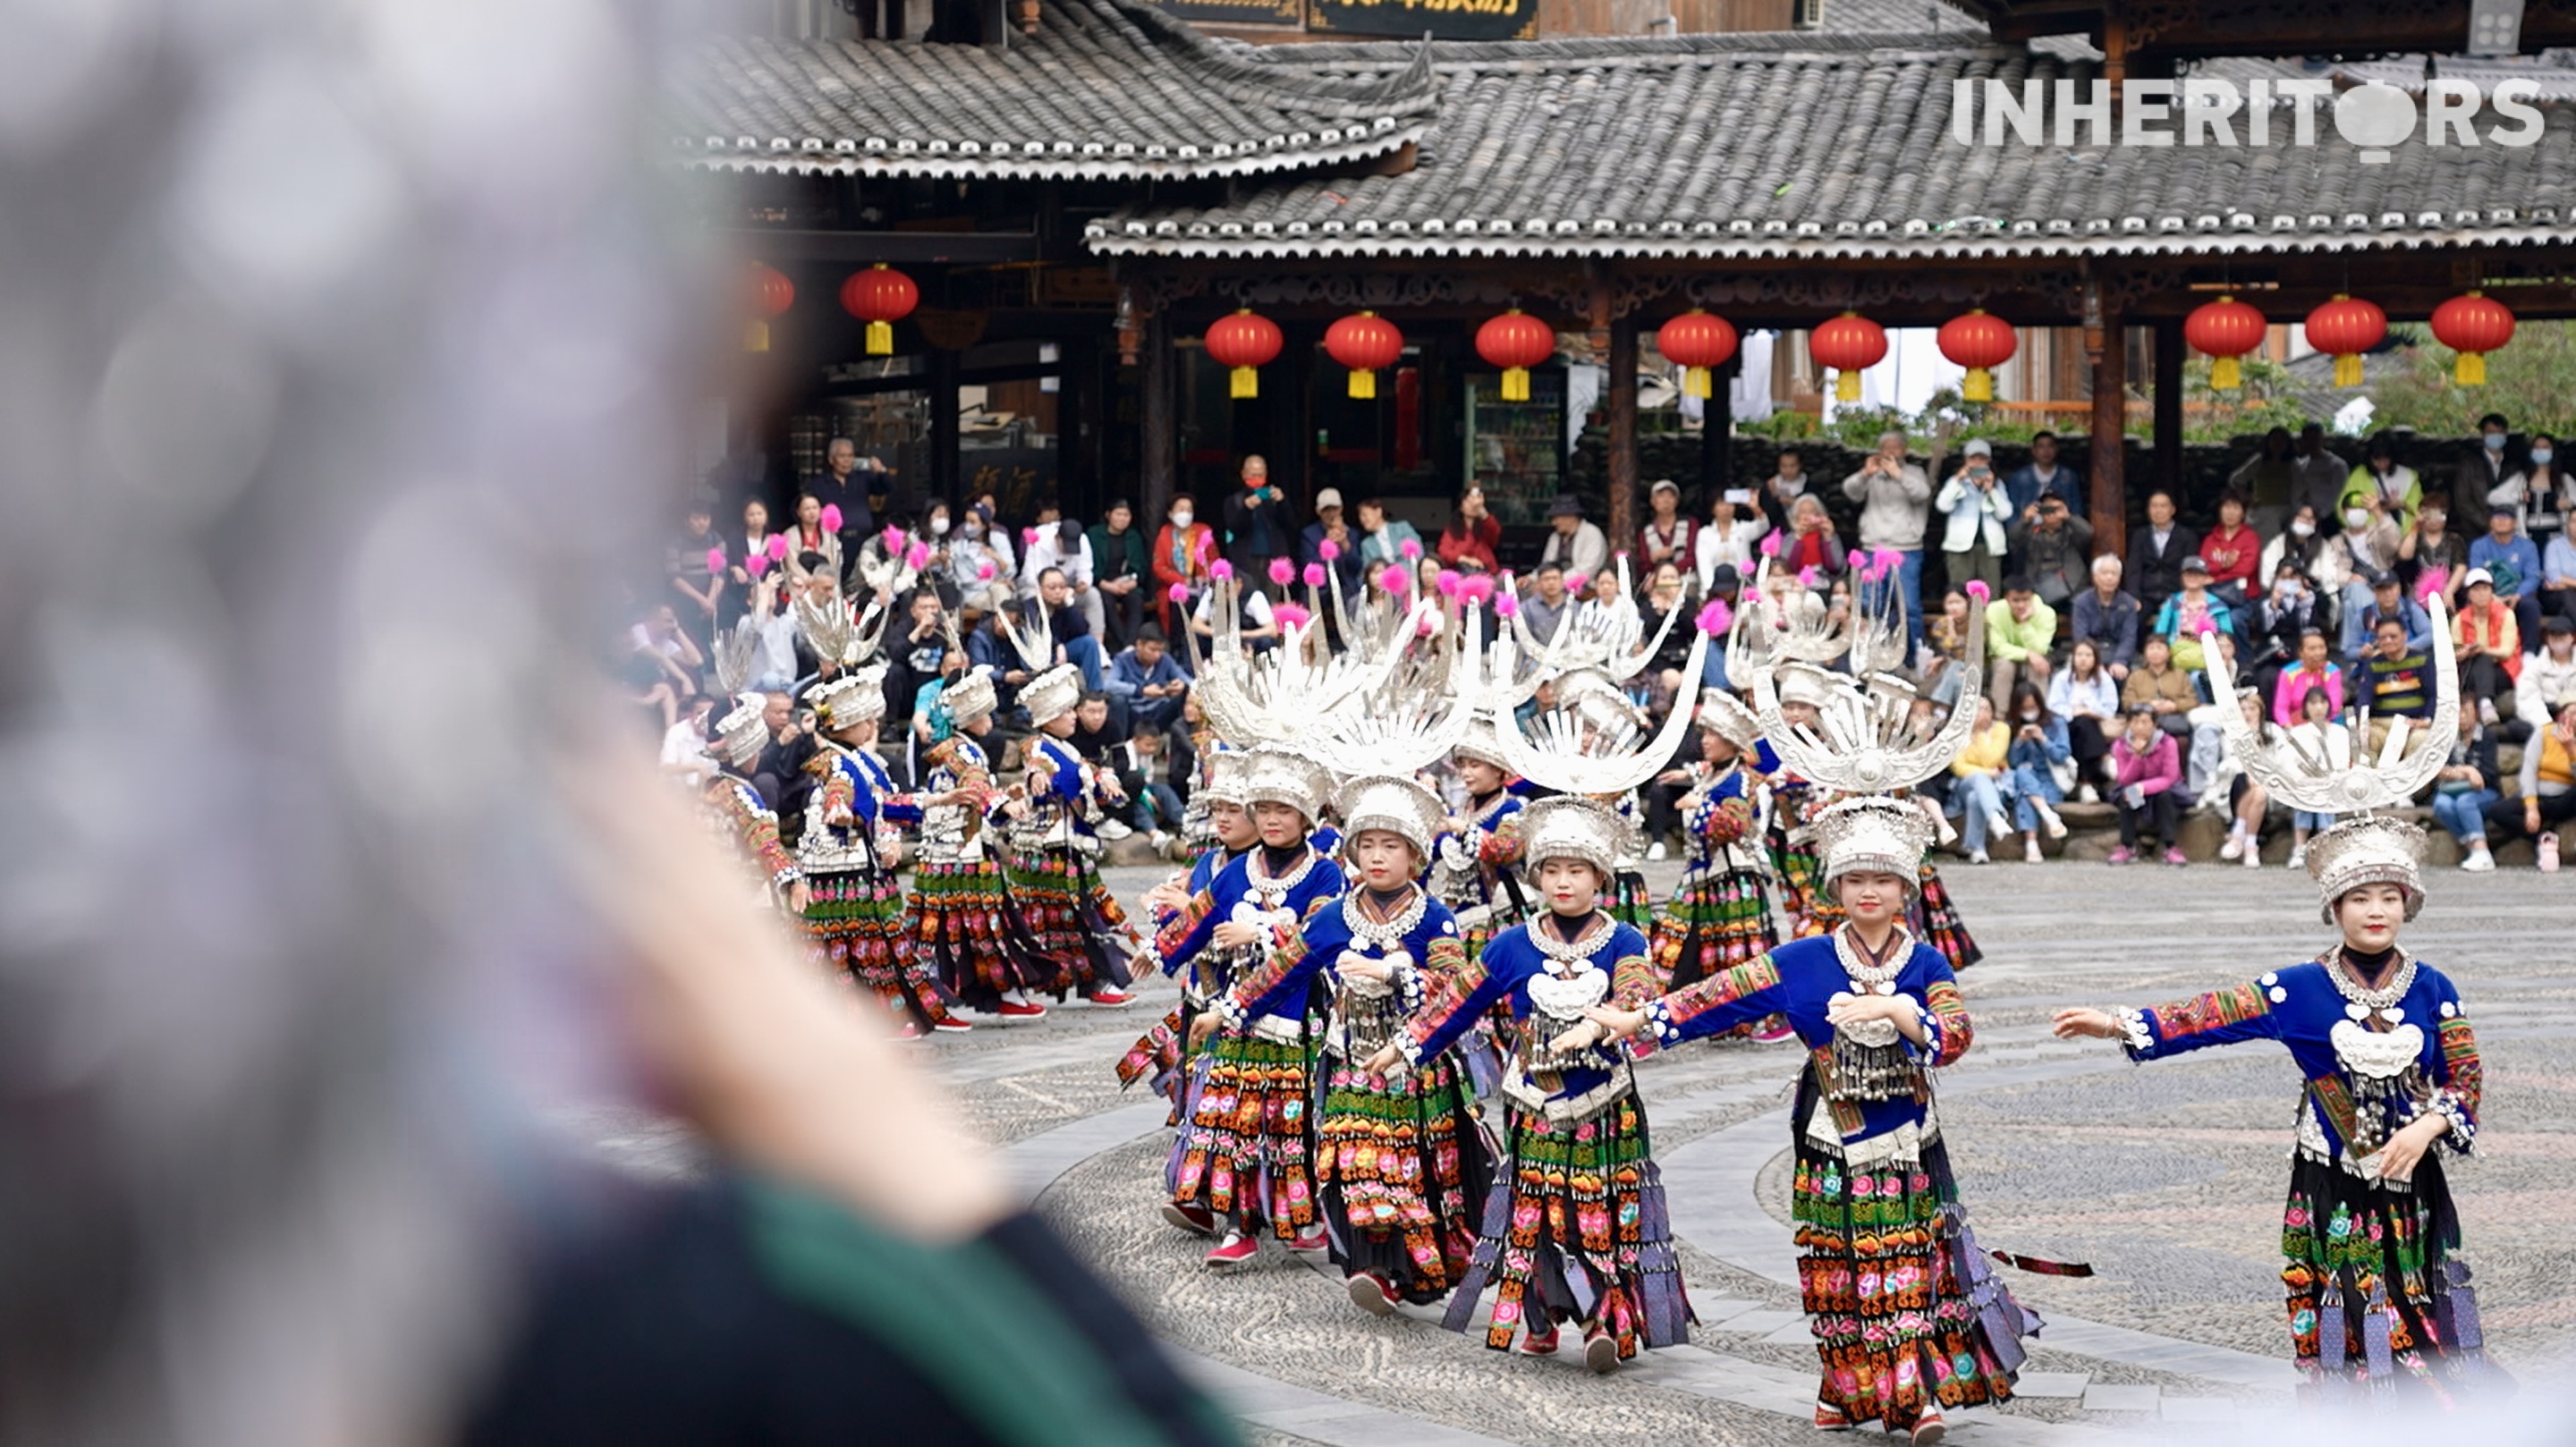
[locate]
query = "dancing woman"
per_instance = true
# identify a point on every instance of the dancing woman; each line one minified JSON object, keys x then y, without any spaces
{"x":736,"y":810}
{"x":2378,"y":1296}
{"x":1719,"y":916}
{"x":957,"y":905}
{"x":1159,"y":1054}
{"x":1402,"y":1165}
{"x":1075,"y":932}
{"x":1476,"y":860}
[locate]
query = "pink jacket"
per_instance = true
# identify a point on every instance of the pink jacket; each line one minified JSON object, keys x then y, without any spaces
{"x":2158,"y":769}
{"x":2289,"y":695}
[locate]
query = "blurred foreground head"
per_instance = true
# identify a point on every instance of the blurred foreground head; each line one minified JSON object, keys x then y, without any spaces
{"x":321,"y":325}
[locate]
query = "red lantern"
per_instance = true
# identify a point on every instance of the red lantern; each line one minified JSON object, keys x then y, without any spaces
{"x":2472,"y":325}
{"x":1979,"y":341}
{"x":1850,"y":344}
{"x":2224,"y":330}
{"x":1246,"y":342}
{"x":771,"y":295}
{"x":880,"y":296}
{"x":1698,"y":343}
{"x":1364,"y":343}
{"x":2344,"y":329}
{"x":1515,"y":342}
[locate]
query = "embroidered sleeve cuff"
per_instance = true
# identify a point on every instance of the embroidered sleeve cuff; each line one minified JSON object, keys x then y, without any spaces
{"x":1660,"y":1022}
{"x":1228,"y":1011}
{"x":1930,"y":1050}
{"x":2135,"y":1037}
{"x":1408,"y":988}
{"x":2461,"y":1132}
{"x":784,"y":878}
{"x":1410,"y":1047}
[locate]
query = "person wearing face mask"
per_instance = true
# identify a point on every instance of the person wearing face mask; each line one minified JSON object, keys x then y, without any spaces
{"x":2488,"y":468}
{"x":2279,"y":619}
{"x":2366,"y":548}
{"x":1182,"y":551}
{"x":2540,"y":492}
{"x":981,"y":560}
{"x":2303,"y":545}
{"x":2384,"y":486}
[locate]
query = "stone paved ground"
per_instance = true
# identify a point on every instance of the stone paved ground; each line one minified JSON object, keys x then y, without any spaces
{"x":2168,"y":1179}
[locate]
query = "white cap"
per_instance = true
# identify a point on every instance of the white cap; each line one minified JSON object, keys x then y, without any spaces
{"x":1329,"y":497}
{"x":2477,"y":576}
{"x":1980,"y":447}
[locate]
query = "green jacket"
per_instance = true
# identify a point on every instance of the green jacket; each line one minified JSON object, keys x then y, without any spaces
{"x":2361,"y":487}
{"x":2014,"y":639}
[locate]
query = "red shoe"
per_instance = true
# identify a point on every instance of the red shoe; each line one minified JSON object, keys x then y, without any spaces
{"x":1775,"y":1030}
{"x":1929,"y":1429}
{"x":952,"y":1025}
{"x":1831,"y":1419}
{"x":1234,"y":1252}
{"x":1197,"y":1220}
{"x":1311,"y":1242}
{"x":1109,"y":997}
{"x":1536,"y":1343}
{"x":1015,"y":1011}
{"x":1370,"y":1293}
{"x":911,"y":1031}
{"x":1600,"y":1351}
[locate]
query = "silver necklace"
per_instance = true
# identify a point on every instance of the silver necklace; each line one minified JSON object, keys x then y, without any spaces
{"x":1866,"y":977}
{"x":1567,"y":956}
{"x":1382,"y":937}
{"x":1276,"y":889}
{"x":2361,"y":1002}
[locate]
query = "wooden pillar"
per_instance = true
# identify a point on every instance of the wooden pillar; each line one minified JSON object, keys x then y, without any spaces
{"x":944,"y":459}
{"x":2103,"y":348}
{"x":1155,"y":421}
{"x":1716,"y":434}
{"x":1623,"y":434}
{"x":2169,"y":357}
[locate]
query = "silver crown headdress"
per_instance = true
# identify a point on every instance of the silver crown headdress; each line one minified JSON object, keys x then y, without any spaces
{"x":1052,"y":694}
{"x":1424,"y":704}
{"x":2372,"y":849}
{"x":971,"y":697}
{"x":744,"y":732}
{"x":1276,"y":775}
{"x":834,"y":635}
{"x":1390,"y":802}
{"x":1228,"y":771}
{"x":1571,"y":757}
{"x":1284,"y":694}
{"x":1862,"y":741}
{"x":1727,"y":714}
{"x":1611,"y":638}
{"x":854,"y":697}
{"x":1872,"y":833}
{"x":1569,"y":826}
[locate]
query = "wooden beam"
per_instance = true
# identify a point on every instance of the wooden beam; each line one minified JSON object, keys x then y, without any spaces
{"x":1623,"y":433}
{"x":1154,"y":455}
{"x":2109,"y":509}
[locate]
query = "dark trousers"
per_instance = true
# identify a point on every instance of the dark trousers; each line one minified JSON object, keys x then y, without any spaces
{"x":2084,"y":739}
{"x":1124,"y":613}
{"x":2486,"y":677}
{"x":1663,"y":814}
{"x":2156,"y":815}
{"x":2504,"y":817}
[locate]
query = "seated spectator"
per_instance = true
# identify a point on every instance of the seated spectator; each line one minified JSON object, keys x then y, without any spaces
{"x":1382,"y":541}
{"x":2465,"y":789}
{"x":2548,"y":786}
{"x":2156,"y":553}
{"x":2315,"y":672}
{"x":2163,"y":691}
{"x":1574,"y":542}
{"x":2275,"y":624}
{"x":2325,"y":565}
{"x":1147,"y":683}
{"x":2232,"y":550}
{"x":2383,"y":486}
{"x":2558,"y":578}
{"x":2019,"y":631}
{"x":2366,"y":549}
{"x":684,"y":745}
{"x":1975,"y":508}
{"x":684,"y":563}
{"x":2245,"y":801}
{"x":1980,"y":783}
{"x":2513,"y":566}
{"x":1667,"y":536}
{"x":1182,"y":552}
{"x":1096,"y":743}
{"x":2546,"y":675}
{"x":2399,"y":678}
{"x":1121,"y":572}
{"x":662,"y":664}
{"x":914,"y":647}
{"x":1944,"y":655}
{"x":779,"y":658}
{"x":2190,"y":613}
{"x":1471,"y":537}
{"x":2384,"y":599}
{"x":1735,"y":528}
{"x":983,"y":559}
{"x":1662,"y":675}
{"x":2317,"y":736}
{"x":2490,"y":647}
{"x":1074,"y":640}
{"x":1144,"y":765}
{"x":2146,"y":768}
{"x":1810,"y":543}
{"x":1545,"y":606}
{"x":2432,"y":559}
{"x":1252,"y":620}
{"x":2039,"y":746}
{"x":2082,"y":697}
{"x":2050,"y":549}
{"x":1056,"y":541}
{"x":2107,"y":618}
{"x":2541,"y":493}
{"x":813,"y":550}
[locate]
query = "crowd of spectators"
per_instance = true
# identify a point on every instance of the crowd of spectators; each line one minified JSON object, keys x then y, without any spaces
{"x":2309,"y":573}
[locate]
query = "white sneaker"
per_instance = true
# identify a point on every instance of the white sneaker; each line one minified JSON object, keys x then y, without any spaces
{"x":2299,"y":856}
{"x":1998,"y":826}
{"x":2480,"y":861}
{"x":2087,"y":794}
{"x":1976,"y":856}
{"x":2049,"y":821}
{"x":2487,"y":712}
{"x":1161,"y":840}
{"x":2253,"y":852}
{"x":2030,"y":852}
{"x":1113,"y":829}
{"x":1655,"y":852}
{"x":1948,"y":833}
{"x":2234,"y":847}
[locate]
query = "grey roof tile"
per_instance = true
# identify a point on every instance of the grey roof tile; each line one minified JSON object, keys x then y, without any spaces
{"x":1825,"y":144}
{"x":1106,"y":89}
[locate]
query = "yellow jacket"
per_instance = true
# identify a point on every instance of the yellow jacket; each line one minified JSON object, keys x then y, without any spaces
{"x":1986,"y":751}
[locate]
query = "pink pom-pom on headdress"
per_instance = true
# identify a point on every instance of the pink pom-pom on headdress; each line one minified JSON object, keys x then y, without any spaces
{"x":892,"y":537}
{"x":778,"y":547}
{"x":1426,"y":627}
{"x":1028,"y":537}
{"x":1507,"y":604}
{"x":1290,"y":615}
{"x":1315,"y":573}
{"x":1888,"y":560}
{"x":1856,"y":559}
{"x":1221,"y":570}
{"x":831,"y":519}
{"x":1410,"y":550}
{"x":1716,"y":618}
{"x":1807,"y":577}
{"x":1577,"y":582}
{"x":1330,"y":550}
{"x":715,"y":560}
{"x":1281,"y":570}
{"x":2208,"y":626}
{"x":1450,"y":584}
{"x":916,"y":556}
{"x":1978,"y":591}
{"x":1477,"y":589}
{"x":1393,"y":578}
{"x":1770,"y":545}
{"x":1178,"y":592}
{"x":758,"y":563}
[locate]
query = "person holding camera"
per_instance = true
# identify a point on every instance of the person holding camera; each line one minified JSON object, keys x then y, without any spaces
{"x":1974,"y":501}
{"x":1892,"y":493}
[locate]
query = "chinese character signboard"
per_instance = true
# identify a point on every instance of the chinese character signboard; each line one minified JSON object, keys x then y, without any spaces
{"x":1446,"y":19}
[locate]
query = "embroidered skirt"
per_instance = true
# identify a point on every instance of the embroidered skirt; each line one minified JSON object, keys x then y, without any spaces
{"x":1067,"y":921}
{"x":1403,"y":1170}
{"x":1905,"y":1311}
{"x":1244,"y":1151}
{"x":1629,"y":902}
{"x":2378,"y":1302}
{"x":1713,"y":923}
{"x":1576,"y":1229}
{"x":855,"y":920}
{"x":959,"y":931}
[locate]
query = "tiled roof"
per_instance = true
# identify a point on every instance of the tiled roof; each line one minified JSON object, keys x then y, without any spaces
{"x":1105,"y":89}
{"x":1826,"y":145}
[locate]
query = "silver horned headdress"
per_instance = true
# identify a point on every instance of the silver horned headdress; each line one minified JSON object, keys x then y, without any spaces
{"x":1863,"y":741}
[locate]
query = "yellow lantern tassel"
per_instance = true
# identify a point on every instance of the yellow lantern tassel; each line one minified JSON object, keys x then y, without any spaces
{"x":755,"y":338}
{"x":1244,"y":382}
{"x":2348,"y":369}
{"x":1847,"y":385}
{"x":1515,"y":384}
{"x":2225,"y":375}
{"x":1363,"y":384}
{"x":1980,"y":386}
{"x":2472,"y":370}
{"x":1695,"y":381}
{"x":880,"y":339}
